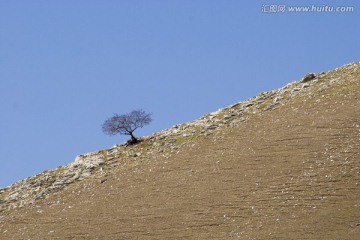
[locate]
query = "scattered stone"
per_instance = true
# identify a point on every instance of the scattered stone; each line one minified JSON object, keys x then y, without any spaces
{"x":175,"y":131}
{"x":308,"y":77}
{"x":212,"y":127}
{"x":270,"y":107}
{"x":235,"y":105}
{"x":306,"y":85}
{"x":85,"y":174}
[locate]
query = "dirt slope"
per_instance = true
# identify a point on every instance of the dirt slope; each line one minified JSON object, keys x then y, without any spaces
{"x":289,"y":173}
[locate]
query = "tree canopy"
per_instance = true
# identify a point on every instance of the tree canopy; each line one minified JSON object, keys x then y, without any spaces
{"x":126,"y":124}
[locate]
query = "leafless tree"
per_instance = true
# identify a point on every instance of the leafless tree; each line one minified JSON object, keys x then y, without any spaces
{"x":126,"y":124}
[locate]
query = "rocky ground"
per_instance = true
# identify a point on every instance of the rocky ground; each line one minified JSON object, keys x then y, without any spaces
{"x":282,"y":165}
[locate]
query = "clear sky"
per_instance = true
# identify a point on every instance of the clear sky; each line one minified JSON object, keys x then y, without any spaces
{"x":66,"y":66}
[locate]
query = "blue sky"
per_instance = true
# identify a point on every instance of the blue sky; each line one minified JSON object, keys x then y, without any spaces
{"x":66,"y":66}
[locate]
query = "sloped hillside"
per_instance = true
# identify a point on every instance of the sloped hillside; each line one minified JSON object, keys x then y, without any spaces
{"x":282,"y":165}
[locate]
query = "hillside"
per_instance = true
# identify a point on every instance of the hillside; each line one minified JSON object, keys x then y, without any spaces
{"x":282,"y":165}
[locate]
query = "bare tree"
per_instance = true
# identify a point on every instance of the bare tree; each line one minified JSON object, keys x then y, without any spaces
{"x":126,"y":124}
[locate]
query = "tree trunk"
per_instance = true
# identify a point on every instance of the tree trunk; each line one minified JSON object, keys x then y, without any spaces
{"x":133,"y":139}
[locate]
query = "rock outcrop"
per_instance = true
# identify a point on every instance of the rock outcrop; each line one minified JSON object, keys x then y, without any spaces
{"x":308,"y":77}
